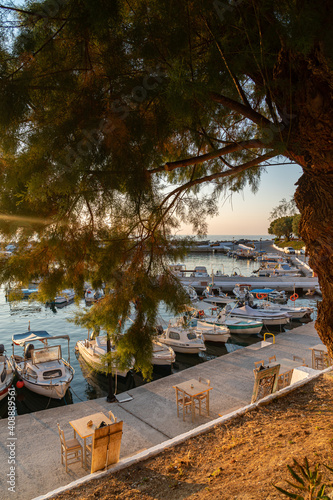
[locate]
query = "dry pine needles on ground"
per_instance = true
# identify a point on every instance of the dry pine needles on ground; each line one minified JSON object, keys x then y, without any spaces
{"x":238,"y":460}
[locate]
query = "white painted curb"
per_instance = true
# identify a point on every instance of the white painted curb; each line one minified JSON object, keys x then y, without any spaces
{"x":155,"y":450}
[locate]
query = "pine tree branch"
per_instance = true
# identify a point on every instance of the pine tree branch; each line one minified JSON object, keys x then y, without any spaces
{"x":40,"y":15}
{"x":240,"y":108}
{"x":40,"y":48}
{"x":220,"y":175}
{"x":252,"y":143}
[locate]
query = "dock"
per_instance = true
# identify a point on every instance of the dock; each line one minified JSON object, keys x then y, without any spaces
{"x":150,"y":417}
{"x":228,"y":283}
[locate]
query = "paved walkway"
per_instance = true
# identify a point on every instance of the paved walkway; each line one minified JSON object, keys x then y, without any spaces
{"x":149,"y":418}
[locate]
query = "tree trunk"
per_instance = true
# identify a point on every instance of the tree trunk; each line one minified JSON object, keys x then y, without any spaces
{"x":314,"y":198}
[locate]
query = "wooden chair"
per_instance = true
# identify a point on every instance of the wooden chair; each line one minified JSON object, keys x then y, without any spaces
{"x":257,"y":364}
{"x":271,"y":359}
{"x":301,"y":360}
{"x":203,"y":398}
{"x":284,"y":379}
{"x":265,"y":382}
{"x":183,"y":401}
{"x":106,"y":446}
{"x":320,"y":359}
{"x":89,"y":447}
{"x":71,"y":450}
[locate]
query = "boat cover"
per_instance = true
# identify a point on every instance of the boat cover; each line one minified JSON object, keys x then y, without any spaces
{"x":22,"y":338}
{"x":263,"y":290}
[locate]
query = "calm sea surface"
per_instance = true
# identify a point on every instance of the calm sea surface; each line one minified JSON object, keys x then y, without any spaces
{"x":15,"y":318}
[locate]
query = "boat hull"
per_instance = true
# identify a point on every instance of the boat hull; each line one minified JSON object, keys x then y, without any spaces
{"x":6,"y":375}
{"x":94,"y":360}
{"x":184,"y":349}
{"x":240,"y":327}
{"x":215,"y":337}
{"x":266,"y":321}
{"x":5,"y":387}
{"x":54,"y":391}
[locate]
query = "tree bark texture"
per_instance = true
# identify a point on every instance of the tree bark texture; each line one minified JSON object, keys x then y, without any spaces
{"x":314,"y":198}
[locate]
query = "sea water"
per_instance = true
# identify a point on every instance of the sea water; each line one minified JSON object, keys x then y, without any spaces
{"x":15,"y":317}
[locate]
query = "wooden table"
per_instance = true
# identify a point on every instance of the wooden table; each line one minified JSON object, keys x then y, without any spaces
{"x":193,"y":388}
{"x":319,"y":347}
{"x":286,"y":365}
{"x":83,"y":430}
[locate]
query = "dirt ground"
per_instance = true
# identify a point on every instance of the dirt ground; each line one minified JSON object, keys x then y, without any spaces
{"x":238,"y":460}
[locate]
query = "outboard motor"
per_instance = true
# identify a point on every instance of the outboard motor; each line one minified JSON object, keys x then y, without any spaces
{"x":159,"y":329}
{"x":2,"y":349}
{"x":27,"y":351}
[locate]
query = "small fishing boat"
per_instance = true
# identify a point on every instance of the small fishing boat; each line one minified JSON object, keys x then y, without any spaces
{"x":182,"y":339}
{"x":268,"y":318}
{"x":43,"y":370}
{"x":65,"y":296}
{"x":219,"y":333}
{"x":93,"y":351}
{"x":191,"y":293}
{"x":163,"y":355}
{"x":235,"y":325}
{"x":294,"y":312}
{"x":6,"y":373}
{"x":211,"y":298}
{"x":271,"y":295}
{"x":92,"y":296}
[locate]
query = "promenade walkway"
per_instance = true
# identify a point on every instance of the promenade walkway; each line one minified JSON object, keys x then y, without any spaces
{"x":149,"y":418}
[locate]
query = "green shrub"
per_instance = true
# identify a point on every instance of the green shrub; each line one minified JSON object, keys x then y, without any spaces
{"x":308,"y":482}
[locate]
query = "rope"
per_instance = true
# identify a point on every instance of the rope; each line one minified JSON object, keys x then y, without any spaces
{"x":77,"y":395}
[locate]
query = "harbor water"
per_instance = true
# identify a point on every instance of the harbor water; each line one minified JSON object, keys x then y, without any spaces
{"x":16,"y":316}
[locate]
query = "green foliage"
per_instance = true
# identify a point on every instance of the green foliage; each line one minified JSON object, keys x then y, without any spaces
{"x":281,"y":227}
{"x":306,"y":480}
{"x":113,"y":117}
{"x":285,"y":208}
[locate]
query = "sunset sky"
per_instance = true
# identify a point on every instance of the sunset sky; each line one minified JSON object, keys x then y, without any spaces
{"x":247,"y":213}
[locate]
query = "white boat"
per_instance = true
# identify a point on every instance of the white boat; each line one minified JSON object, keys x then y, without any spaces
{"x":91,"y":295}
{"x":268,"y":318}
{"x":235,"y":325}
{"x":182,"y":339}
{"x":270,"y":294}
{"x":280,"y":269}
{"x":65,"y":296}
{"x":43,"y":370}
{"x":191,"y":293}
{"x":6,"y":373}
{"x":211,"y":298}
{"x":219,"y":333}
{"x":293,"y":312}
{"x":200,"y":272}
{"x":178,"y":270}
{"x":94,"y":351}
{"x":163,"y":355}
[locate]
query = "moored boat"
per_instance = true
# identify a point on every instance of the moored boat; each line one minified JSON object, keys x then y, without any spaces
{"x":163,"y":355}
{"x":65,"y":296}
{"x":93,"y":351}
{"x":92,"y":296}
{"x":266,"y":317}
{"x":235,"y":325}
{"x":182,"y":339}
{"x":43,"y":370}
{"x":6,"y":373}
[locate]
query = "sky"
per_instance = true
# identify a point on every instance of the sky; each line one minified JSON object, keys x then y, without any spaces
{"x":247,"y":213}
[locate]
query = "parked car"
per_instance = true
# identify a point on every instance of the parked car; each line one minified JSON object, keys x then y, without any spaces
{"x":289,"y":250}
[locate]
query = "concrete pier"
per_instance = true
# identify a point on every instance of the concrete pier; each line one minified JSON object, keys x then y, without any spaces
{"x":149,"y":418}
